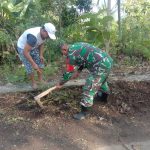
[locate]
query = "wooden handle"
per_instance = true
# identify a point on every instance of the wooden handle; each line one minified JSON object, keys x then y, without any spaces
{"x":38,"y":97}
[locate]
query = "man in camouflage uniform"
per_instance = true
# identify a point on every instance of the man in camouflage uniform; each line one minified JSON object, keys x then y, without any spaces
{"x":99,"y":63}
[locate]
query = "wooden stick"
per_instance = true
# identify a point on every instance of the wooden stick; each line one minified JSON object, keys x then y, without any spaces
{"x":38,"y":97}
{"x":39,"y":103}
{"x":45,"y":93}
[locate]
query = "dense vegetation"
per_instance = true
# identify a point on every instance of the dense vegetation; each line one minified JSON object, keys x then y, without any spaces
{"x":75,"y":21}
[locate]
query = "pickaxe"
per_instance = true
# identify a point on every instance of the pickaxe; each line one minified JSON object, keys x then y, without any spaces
{"x":38,"y":97}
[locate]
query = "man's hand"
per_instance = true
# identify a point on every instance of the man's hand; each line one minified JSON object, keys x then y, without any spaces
{"x":75,"y":75}
{"x":42,"y":59}
{"x":58,"y":86}
{"x":36,"y":67}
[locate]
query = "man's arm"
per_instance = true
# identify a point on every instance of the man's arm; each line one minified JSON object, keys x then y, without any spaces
{"x":77,"y":72}
{"x":31,"y":41}
{"x":71,"y":75}
{"x":80,"y":68}
{"x":41,"y":47}
{"x":26,"y":53}
{"x":66,"y":77}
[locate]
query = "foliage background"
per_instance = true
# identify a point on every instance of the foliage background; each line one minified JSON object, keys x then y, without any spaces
{"x":75,"y":22}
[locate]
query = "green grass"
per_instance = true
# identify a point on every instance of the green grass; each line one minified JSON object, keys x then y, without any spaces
{"x":50,"y":70}
{"x":12,"y":74}
{"x":128,"y":61}
{"x":16,"y":73}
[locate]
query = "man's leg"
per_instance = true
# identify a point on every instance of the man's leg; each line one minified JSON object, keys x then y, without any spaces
{"x":30,"y":73}
{"x":40,"y":77}
{"x":28,"y":68}
{"x":33,"y":82}
{"x":36,"y":57}
{"x":103,"y":93}
{"x":104,"y":90}
{"x":93,"y":82}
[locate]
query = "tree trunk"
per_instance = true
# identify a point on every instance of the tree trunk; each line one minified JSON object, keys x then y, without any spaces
{"x":119,"y":19}
{"x":107,"y":44}
{"x":109,"y":8}
{"x":60,"y":20}
{"x":98,"y":2}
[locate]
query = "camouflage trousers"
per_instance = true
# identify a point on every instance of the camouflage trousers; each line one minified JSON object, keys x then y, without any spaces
{"x":96,"y":83}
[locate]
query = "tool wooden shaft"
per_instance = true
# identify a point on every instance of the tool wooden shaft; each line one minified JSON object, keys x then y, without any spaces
{"x":44,"y":93}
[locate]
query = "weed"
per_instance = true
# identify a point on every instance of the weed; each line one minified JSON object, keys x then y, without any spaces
{"x":17,"y":74}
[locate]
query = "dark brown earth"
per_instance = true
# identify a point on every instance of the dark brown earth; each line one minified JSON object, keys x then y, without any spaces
{"x":121,"y":124}
{"x":124,"y":119}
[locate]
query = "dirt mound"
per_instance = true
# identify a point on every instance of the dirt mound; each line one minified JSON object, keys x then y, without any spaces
{"x":130,"y":96}
{"x":126,"y":97}
{"x":125,"y":118}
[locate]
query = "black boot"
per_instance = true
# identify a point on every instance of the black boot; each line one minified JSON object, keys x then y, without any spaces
{"x":103,"y":98}
{"x":82,"y":114}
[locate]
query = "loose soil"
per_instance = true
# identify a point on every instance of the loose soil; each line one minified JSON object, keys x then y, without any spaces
{"x":121,"y":124}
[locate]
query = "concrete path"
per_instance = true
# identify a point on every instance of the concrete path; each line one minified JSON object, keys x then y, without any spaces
{"x":10,"y":88}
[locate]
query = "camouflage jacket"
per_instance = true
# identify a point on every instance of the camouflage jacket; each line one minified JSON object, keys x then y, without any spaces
{"x":84,"y":55}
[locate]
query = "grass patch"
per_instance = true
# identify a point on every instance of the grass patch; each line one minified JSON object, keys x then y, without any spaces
{"x":17,"y":74}
{"x":12,"y":74}
{"x":50,"y":70}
